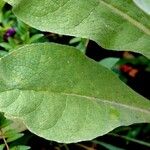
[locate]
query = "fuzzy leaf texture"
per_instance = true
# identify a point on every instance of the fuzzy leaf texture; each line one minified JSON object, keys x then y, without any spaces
{"x":63,"y":96}
{"x":113,"y":24}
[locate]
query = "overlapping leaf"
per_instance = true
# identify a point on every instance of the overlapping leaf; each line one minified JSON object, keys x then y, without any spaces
{"x":114,"y":24}
{"x":61,"y":95}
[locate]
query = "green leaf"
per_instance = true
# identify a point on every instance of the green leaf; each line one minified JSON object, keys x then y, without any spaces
{"x":1,"y":4}
{"x":12,"y":135}
{"x":6,"y":46}
{"x":3,"y":53}
{"x":114,"y":24}
{"x":20,"y":147}
{"x":144,"y":5}
{"x":63,"y":96}
{"x":3,"y":121}
{"x":2,"y":146}
{"x":35,"y":38}
{"x":109,"y":62}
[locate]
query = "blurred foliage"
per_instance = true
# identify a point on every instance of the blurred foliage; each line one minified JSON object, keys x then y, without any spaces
{"x":15,"y":33}
{"x":8,"y":136}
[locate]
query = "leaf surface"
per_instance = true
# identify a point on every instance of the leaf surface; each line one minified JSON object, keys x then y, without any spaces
{"x":63,"y":96}
{"x":113,"y":24}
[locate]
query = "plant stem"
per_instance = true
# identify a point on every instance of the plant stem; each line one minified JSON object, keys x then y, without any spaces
{"x":131,"y":139}
{"x":5,"y":142}
{"x":87,"y":42}
{"x":85,"y":147}
{"x":66,"y":147}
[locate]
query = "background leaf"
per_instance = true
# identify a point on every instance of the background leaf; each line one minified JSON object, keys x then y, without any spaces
{"x":118,"y":25}
{"x":1,"y":4}
{"x":63,"y":96}
{"x":109,"y":62}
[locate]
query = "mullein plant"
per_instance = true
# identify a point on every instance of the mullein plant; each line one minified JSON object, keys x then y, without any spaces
{"x":53,"y":81}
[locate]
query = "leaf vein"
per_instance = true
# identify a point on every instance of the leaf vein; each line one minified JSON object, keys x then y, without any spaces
{"x":126,"y":17}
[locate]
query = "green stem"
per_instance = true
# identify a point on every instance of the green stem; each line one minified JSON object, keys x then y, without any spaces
{"x":131,"y":139}
{"x":3,"y":137}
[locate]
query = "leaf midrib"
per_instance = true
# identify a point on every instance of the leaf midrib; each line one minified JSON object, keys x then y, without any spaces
{"x":97,"y":100}
{"x":109,"y":102}
{"x":126,"y":17}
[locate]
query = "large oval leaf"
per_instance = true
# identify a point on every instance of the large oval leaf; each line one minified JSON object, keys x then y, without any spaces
{"x":61,"y":95}
{"x":114,"y":24}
